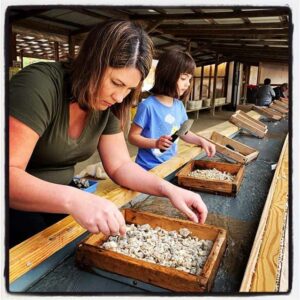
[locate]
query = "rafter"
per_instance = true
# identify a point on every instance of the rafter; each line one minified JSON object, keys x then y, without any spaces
{"x":218,"y":15}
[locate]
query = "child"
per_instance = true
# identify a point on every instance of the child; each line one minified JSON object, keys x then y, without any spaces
{"x":162,"y":114}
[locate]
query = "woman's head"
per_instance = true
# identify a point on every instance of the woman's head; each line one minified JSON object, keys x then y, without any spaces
{"x":109,"y":46}
{"x":284,"y":87}
{"x":174,"y":68}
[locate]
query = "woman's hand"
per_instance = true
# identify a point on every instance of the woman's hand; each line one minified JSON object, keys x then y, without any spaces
{"x":97,"y":214}
{"x":208,"y":147}
{"x":189,"y":203}
{"x":164,"y":142}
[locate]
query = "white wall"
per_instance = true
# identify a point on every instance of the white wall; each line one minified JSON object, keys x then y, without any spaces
{"x":229,"y":86}
{"x":278,"y":73}
{"x":253,"y":75}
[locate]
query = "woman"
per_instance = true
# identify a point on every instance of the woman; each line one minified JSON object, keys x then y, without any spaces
{"x":60,"y":114}
{"x":162,"y":113}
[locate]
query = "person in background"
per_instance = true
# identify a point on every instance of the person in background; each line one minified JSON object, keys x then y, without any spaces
{"x":162,"y":113}
{"x":60,"y":114}
{"x":265,"y":93}
{"x":281,"y":91}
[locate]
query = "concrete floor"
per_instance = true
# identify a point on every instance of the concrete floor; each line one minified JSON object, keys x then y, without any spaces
{"x":204,"y":121}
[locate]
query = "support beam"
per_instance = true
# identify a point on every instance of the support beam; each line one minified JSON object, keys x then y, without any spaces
{"x":218,"y":15}
{"x":215,"y":85}
{"x":56,"y":51}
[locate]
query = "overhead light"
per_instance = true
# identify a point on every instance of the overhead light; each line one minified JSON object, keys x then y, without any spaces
{"x":151,"y":10}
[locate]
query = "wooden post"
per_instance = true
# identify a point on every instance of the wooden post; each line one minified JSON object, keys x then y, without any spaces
{"x":56,"y":51}
{"x":209,"y":81}
{"x":21,"y":58}
{"x":226,"y":79}
{"x":189,"y":44}
{"x":201,"y":82}
{"x":247,"y":74}
{"x":71,"y":43}
{"x":13,"y":49}
{"x":215,"y":84}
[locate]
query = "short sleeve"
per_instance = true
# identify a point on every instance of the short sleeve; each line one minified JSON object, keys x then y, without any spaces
{"x":33,"y":96}
{"x":141,"y":116}
{"x":183,"y":112}
{"x":113,"y":124}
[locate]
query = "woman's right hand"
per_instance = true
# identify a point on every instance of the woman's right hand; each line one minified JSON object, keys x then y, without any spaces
{"x":97,"y":214}
{"x":164,"y":142}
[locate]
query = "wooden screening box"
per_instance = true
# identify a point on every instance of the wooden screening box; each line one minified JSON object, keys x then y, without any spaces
{"x":279,"y":108}
{"x":267,"y":112}
{"x":249,"y":124}
{"x":89,"y":255}
{"x":233,"y":149}
{"x":212,"y":185}
{"x":281,"y":103}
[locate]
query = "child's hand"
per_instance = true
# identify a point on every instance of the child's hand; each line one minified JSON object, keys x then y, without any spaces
{"x":209,"y":148}
{"x":164,"y":142}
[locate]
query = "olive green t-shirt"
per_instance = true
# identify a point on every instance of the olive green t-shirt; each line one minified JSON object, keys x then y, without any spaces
{"x":39,"y":96}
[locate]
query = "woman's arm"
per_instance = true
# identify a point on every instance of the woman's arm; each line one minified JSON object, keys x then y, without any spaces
{"x":135,"y":138}
{"x":118,"y":165}
{"x":29,"y":193}
{"x":193,"y":138}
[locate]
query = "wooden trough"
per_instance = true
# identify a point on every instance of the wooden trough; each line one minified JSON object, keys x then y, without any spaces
{"x":212,"y":185}
{"x":89,"y":255}
{"x":232,"y":149}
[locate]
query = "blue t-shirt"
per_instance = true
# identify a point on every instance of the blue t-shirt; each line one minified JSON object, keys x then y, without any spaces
{"x":157,"y":119}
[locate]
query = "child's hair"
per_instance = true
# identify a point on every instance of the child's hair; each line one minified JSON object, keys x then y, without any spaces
{"x":116,"y":44}
{"x":170,"y":66}
{"x":267,"y":81}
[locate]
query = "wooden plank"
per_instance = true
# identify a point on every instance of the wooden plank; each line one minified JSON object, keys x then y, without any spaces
{"x":260,"y":274}
{"x":29,"y":254}
{"x":284,"y":273}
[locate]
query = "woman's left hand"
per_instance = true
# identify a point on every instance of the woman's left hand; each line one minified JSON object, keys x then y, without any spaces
{"x":189,"y":203}
{"x":208,"y":147}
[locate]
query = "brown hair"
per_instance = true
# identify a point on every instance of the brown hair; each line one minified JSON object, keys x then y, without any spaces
{"x":115,"y":44}
{"x":171,"y":64}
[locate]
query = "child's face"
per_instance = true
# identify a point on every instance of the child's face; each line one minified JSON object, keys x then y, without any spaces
{"x":183,"y":83}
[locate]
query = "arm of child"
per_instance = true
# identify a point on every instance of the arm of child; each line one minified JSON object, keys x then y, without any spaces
{"x":193,"y":138}
{"x":135,"y":138}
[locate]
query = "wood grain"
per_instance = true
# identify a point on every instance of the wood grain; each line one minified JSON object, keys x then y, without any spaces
{"x":261,"y":270}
